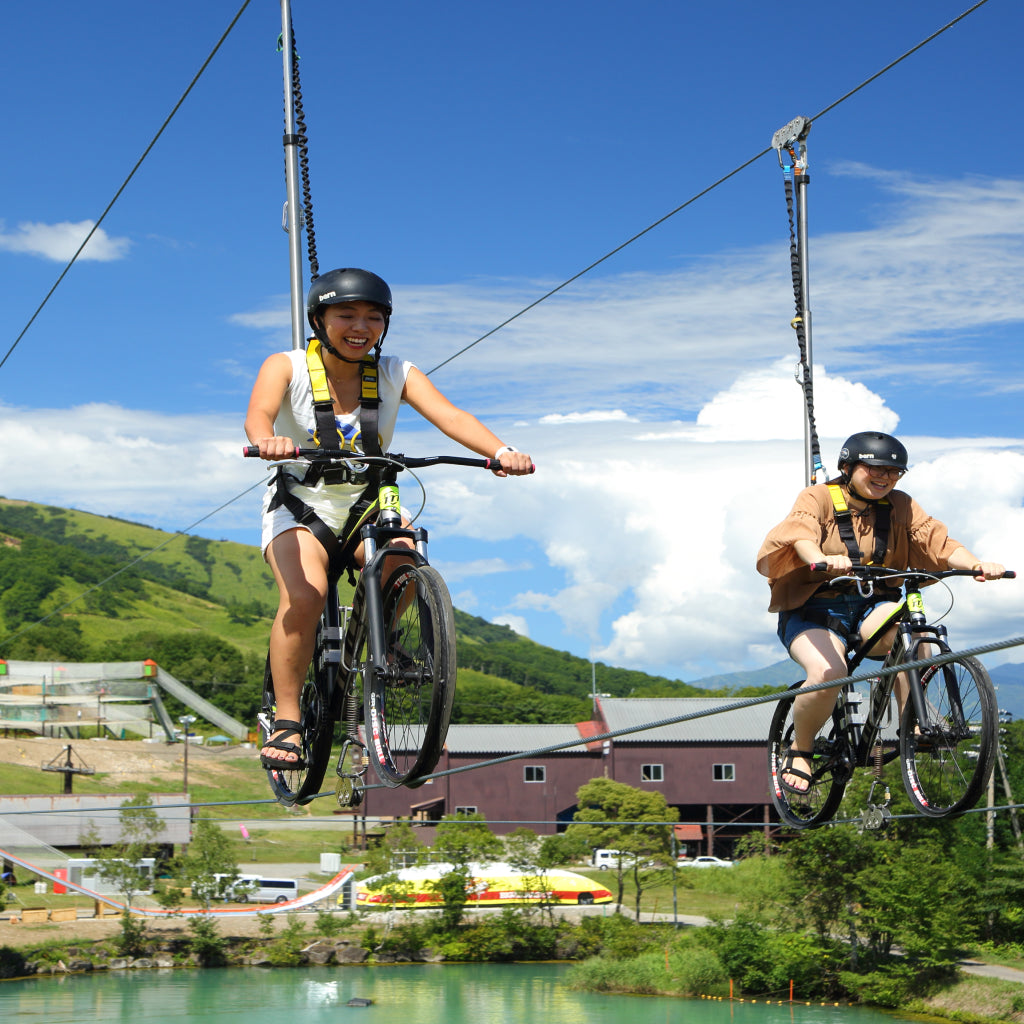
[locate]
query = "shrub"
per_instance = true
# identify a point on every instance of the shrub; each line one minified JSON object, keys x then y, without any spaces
{"x":12,"y":963}
{"x":206,"y":942}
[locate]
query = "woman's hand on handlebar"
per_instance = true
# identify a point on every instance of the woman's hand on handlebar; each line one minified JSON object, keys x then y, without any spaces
{"x":273,"y":449}
{"x":834,"y":565}
{"x":988,"y":571}
{"x":514,"y":464}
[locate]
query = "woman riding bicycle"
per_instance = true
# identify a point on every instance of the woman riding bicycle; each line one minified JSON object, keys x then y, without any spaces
{"x":858,"y":517}
{"x":340,"y":393}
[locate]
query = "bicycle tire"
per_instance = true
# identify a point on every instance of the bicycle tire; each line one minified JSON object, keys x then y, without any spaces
{"x":945,"y":776}
{"x":830,"y":771}
{"x":301,"y":785}
{"x":409,"y":706}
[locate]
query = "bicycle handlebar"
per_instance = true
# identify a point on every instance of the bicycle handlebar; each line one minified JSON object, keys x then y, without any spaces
{"x":881,"y":572}
{"x":252,"y":451}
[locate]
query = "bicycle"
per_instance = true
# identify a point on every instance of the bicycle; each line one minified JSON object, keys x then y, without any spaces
{"x":947,"y":732}
{"x":397,"y":640}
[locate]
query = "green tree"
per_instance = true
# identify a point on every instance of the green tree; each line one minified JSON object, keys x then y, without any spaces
{"x":209,"y":865}
{"x":120,"y":864}
{"x":461,"y":838}
{"x":528,"y":853}
{"x":613,"y":815}
{"x":465,"y":837}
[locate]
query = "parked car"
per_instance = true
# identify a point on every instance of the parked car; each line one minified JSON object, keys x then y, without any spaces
{"x":704,"y":862}
{"x":612,"y":858}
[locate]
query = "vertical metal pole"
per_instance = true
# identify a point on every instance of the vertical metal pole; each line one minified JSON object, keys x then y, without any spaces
{"x":805,"y":313}
{"x":293,"y":205}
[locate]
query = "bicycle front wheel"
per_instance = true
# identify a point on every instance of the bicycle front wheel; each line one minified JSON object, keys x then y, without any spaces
{"x":300,"y":785}
{"x":830,"y":771}
{"x":947,"y":760}
{"x":408,"y":706}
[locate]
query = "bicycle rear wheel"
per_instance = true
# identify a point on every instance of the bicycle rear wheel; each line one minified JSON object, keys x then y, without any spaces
{"x":409,"y":705}
{"x":301,"y":785}
{"x":947,"y":761}
{"x":830,"y":771}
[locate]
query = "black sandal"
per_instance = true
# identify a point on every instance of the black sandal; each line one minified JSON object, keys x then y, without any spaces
{"x":287,"y":728}
{"x":788,"y":769}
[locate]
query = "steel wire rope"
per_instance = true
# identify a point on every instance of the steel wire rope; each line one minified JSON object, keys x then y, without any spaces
{"x":552,"y":291}
{"x":699,"y":195}
{"x":124,"y":184}
{"x":942,"y":659}
{"x":738,"y":705}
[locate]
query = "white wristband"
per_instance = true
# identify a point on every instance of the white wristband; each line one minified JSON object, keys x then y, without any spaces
{"x":504,"y":448}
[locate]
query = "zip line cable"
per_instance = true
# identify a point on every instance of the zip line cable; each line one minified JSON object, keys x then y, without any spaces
{"x":738,"y":705}
{"x":699,"y":195}
{"x":124,"y":184}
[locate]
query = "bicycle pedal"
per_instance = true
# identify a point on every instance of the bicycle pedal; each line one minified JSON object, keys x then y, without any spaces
{"x":874,"y":818}
{"x":347,"y":792}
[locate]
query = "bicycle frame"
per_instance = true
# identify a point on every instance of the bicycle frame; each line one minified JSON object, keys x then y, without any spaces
{"x":912,"y":633}
{"x":946,"y":736}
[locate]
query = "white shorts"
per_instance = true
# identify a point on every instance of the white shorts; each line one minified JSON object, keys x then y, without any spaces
{"x":332,"y":503}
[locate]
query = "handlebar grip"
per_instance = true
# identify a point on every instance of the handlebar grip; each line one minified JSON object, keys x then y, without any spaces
{"x":252,"y":451}
{"x":818,"y":566}
{"x":495,"y":464}
{"x":1009,"y":575}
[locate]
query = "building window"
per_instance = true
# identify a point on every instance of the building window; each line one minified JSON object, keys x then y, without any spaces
{"x":723,"y":772}
{"x":534,"y":773}
{"x":468,"y":809}
{"x":652,"y":773}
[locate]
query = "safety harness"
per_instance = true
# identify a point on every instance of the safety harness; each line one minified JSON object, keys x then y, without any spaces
{"x":844,"y":523}
{"x":339,"y":548}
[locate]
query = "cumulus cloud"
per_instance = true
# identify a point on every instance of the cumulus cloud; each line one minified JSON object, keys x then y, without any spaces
{"x":667,"y":521}
{"x":59,"y":242}
{"x":667,"y":427}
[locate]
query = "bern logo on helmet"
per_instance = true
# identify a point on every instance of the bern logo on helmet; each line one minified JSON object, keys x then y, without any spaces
{"x":326,"y":295}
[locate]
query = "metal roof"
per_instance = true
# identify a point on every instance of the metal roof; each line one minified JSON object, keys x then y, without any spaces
{"x":748,"y":724}
{"x":511,"y":739}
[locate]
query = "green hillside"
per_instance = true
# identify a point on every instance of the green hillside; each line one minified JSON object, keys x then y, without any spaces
{"x":202,"y":610}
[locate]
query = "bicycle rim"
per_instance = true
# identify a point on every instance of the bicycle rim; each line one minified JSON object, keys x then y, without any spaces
{"x":301,"y":785}
{"x":408,"y":706}
{"x":829,"y":772}
{"x":946,"y":770}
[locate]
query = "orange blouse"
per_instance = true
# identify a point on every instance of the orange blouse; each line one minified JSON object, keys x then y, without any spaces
{"x":916,"y":541}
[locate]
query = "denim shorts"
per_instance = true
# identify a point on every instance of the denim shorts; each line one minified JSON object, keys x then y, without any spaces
{"x":840,"y":614}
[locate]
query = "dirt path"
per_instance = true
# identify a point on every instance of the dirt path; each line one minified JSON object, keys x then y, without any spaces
{"x":120,"y":760}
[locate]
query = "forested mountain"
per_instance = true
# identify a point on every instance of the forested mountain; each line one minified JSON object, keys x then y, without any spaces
{"x":110,"y":590}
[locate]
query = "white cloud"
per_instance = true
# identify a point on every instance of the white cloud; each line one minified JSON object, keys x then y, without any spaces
{"x":514,"y":622}
{"x":59,"y":242}
{"x":666,"y":524}
{"x":456,"y":572}
{"x":667,"y":427}
{"x":656,"y":525}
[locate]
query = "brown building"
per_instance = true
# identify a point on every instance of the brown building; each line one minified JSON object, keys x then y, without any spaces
{"x":712,"y":767}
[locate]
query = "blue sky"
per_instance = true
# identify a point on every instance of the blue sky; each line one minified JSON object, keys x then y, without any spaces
{"x":477,"y":156}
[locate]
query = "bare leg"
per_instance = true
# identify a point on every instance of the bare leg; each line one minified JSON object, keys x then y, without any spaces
{"x":821,"y":655}
{"x":299,"y":563}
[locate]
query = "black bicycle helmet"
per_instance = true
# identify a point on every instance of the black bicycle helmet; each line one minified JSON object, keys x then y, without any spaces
{"x":348,"y":284}
{"x":873,"y":449}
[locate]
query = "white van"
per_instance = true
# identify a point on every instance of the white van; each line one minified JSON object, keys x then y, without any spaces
{"x":261,"y":889}
{"x":611,"y":859}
